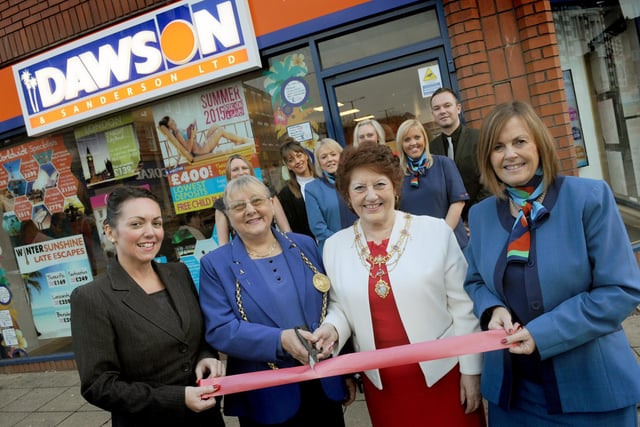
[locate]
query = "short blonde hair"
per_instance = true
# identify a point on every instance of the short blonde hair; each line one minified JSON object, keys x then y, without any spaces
{"x":491,"y":128}
{"x":382,"y":139}
{"x":403,"y":129}
{"x":329,"y":143}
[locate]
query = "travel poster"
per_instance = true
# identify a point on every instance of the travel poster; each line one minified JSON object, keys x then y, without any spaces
{"x":50,"y":270}
{"x":197,"y":133}
{"x":108,"y":149}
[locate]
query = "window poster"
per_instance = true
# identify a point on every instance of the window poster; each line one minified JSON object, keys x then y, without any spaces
{"x":12,"y":342}
{"x":108,"y":149}
{"x":574,"y":116}
{"x":197,"y":133}
{"x":51,"y":269}
{"x":287,"y":85}
{"x":36,"y":186}
{"x":429,"y":79}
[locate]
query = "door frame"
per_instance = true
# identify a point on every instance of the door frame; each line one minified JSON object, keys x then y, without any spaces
{"x":332,"y":112}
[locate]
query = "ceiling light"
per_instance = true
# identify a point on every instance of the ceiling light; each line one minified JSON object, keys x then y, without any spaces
{"x":359,"y":119}
{"x":351,"y":111}
{"x":320,"y":109}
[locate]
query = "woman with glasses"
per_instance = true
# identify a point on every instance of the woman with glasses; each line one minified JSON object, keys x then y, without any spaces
{"x":292,"y":196}
{"x":238,"y":165}
{"x":258,"y":293}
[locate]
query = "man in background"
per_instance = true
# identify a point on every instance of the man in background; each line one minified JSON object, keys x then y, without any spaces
{"x":458,"y":142}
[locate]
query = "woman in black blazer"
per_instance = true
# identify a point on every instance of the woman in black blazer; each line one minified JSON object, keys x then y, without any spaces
{"x":138,"y":331}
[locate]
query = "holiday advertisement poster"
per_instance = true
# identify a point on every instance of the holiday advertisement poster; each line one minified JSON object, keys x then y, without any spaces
{"x":36,"y":185}
{"x":51,"y":269}
{"x":108,"y":149}
{"x":197,"y":133}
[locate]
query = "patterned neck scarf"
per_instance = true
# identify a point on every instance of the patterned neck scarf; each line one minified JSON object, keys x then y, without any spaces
{"x":416,"y":168}
{"x":330,"y":177}
{"x":529,"y":210}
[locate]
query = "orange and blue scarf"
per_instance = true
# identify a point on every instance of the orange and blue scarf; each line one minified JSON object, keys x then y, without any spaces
{"x":531,"y":213}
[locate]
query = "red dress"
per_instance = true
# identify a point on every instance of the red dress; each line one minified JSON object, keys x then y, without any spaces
{"x":405,"y":399}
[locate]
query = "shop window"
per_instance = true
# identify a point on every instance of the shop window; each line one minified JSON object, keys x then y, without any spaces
{"x":599,"y":46}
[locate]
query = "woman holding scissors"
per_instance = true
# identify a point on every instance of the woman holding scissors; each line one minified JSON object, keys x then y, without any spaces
{"x":257,"y":294}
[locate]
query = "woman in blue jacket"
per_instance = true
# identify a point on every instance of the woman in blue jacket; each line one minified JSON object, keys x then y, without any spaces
{"x":326,"y":210}
{"x":550,"y":264}
{"x":254,"y":292}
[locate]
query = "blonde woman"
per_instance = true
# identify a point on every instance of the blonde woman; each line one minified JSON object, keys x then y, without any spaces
{"x":368,"y":131}
{"x":326,"y":210}
{"x":432,"y":184}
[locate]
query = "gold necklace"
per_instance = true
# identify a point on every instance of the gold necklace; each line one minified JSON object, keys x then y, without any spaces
{"x":254,"y":254}
{"x":390,"y":260}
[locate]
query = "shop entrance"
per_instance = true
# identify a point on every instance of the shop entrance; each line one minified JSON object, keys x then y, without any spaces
{"x":390,"y":93}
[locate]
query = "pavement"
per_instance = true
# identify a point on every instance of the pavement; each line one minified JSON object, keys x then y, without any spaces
{"x":53,"y":398}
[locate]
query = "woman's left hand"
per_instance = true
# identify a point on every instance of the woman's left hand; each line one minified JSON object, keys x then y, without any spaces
{"x":210,"y":367}
{"x":470,"y":392}
{"x":524,"y":342}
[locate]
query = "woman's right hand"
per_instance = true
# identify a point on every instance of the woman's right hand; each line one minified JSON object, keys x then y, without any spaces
{"x":325,"y":338}
{"x":194,"y":401}
{"x":292,"y":345}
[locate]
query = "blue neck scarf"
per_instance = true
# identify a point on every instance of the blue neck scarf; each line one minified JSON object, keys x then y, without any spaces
{"x":330,"y":177}
{"x":416,"y":168}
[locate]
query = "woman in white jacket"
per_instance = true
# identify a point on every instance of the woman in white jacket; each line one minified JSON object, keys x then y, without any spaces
{"x":398,"y":279}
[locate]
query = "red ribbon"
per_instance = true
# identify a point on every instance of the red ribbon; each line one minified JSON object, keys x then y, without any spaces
{"x":361,"y":361}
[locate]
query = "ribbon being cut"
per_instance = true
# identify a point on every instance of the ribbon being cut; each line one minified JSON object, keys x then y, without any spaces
{"x":362,"y":361}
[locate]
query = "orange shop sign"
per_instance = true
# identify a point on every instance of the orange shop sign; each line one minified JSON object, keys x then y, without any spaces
{"x":178,"y":47}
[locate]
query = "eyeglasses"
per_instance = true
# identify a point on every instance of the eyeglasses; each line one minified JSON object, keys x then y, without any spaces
{"x":241,"y":205}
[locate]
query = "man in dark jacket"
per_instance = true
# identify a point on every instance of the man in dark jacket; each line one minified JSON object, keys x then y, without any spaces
{"x":457,"y":142}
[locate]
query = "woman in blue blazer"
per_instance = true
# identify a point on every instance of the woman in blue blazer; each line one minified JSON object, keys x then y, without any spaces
{"x":254,"y":292}
{"x":550,"y":264}
{"x":326,"y":210}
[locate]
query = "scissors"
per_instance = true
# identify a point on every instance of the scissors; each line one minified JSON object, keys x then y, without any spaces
{"x":313,"y":352}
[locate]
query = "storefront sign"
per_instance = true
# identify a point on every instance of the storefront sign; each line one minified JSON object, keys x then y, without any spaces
{"x":174,"y":48}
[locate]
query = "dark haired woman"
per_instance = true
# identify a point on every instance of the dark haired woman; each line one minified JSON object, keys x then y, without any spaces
{"x":301,"y":172}
{"x":138,"y":331}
